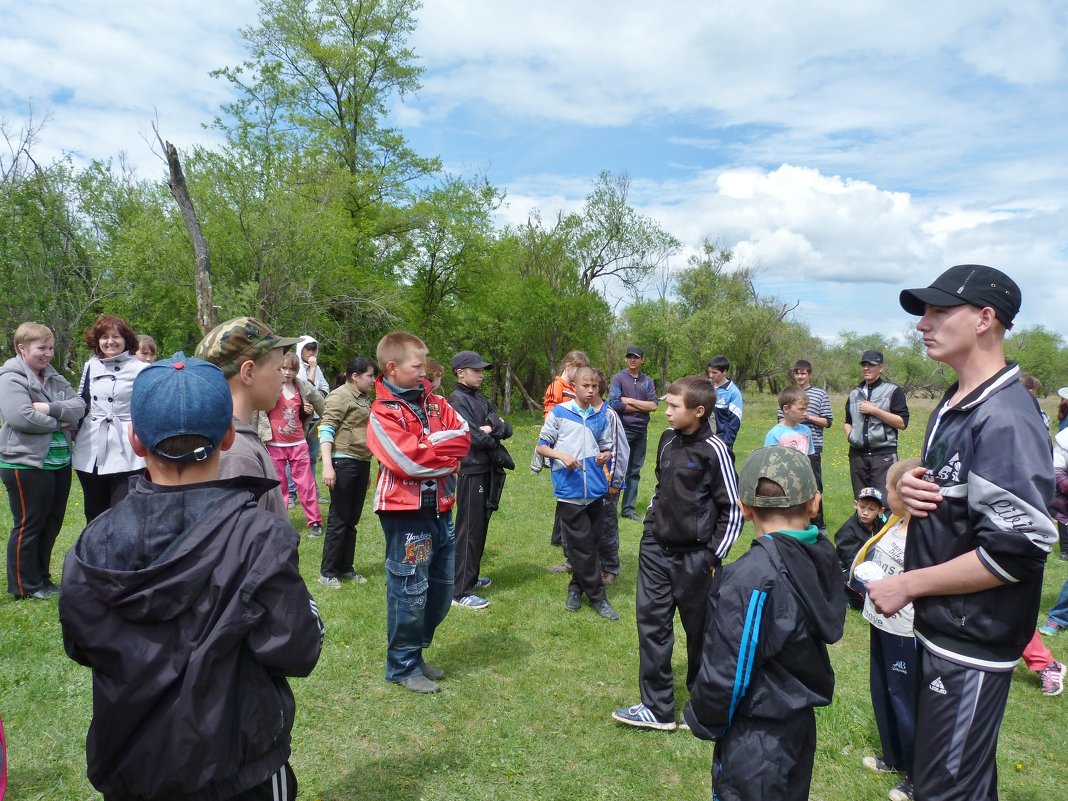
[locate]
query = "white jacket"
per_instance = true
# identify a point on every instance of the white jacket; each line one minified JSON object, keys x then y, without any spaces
{"x":103,"y":440}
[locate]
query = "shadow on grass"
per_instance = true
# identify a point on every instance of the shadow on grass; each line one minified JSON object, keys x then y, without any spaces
{"x":515,"y":575}
{"x":480,"y":651}
{"x":405,"y":772}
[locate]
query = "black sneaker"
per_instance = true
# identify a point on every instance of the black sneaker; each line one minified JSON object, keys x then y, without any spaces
{"x":605,"y":610}
{"x":573,"y":602}
{"x":315,"y":530}
{"x":903,"y":792}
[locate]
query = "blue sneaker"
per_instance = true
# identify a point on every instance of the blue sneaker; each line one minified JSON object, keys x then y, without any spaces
{"x":642,"y":717}
{"x":471,"y":602}
{"x":483,"y":582}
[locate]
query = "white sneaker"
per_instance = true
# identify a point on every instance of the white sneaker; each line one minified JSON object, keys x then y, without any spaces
{"x":332,"y":582}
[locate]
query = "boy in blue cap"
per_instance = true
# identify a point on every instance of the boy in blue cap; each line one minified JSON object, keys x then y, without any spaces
{"x":186,"y":601}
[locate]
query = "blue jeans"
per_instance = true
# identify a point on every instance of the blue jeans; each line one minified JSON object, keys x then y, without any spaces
{"x":637,"y":441}
{"x":420,"y":566}
{"x":1059,"y":613}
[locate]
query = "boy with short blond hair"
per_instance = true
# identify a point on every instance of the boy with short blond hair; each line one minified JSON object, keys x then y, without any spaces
{"x":250,"y":357}
{"x":578,"y":440}
{"x":791,"y":431}
{"x":188,"y":604}
{"x":765,"y":664}
{"x":690,"y":526}
{"x":419,"y":441}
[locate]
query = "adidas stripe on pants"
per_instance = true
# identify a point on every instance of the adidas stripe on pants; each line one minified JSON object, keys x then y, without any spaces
{"x":958,"y":715}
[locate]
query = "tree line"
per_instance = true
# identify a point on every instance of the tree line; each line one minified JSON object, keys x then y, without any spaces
{"x":321,"y":219}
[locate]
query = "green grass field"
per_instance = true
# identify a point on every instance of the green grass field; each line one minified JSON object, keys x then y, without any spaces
{"x":525,"y":708}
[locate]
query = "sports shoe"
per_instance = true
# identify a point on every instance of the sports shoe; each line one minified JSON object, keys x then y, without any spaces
{"x":608,"y":579}
{"x":420,"y":684}
{"x":1049,"y":628}
{"x":563,"y":567}
{"x":903,"y":791}
{"x":355,"y":578}
{"x":1052,"y":679}
{"x":683,"y":725}
{"x":632,"y":516}
{"x":433,"y":673}
{"x":483,"y":582}
{"x":471,"y":602}
{"x":876,"y":765}
{"x":573,"y":602}
{"x":605,"y":610}
{"x":292,"y":502}
{"x":332,"y":582}
{"x":315,"y":530}
{"x":640,"y":716}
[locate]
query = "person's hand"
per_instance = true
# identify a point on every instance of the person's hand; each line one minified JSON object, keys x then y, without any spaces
{"x":308,"y":408}
{"x":38,"y":406}
{"x":613,"y":492}
{"x":919,"y":496}
{"x":487,"y":429}
{"x":889,"y":594}
{"x":603,"y":457}
{"x":329,"y":476}
{"x":312,"y":361}
{"x":569,"y":461}
{"x":867,"y":407}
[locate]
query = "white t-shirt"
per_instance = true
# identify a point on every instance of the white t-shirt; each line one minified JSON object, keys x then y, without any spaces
{"x":889,"y":555}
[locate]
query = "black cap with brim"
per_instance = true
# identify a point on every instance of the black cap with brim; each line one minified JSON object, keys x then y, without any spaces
{"x":974,"y":284}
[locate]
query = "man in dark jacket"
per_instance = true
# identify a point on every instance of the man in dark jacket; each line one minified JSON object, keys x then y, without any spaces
{"x":189,"y":694}
{"x":979,"y":536}
{"x":765,"y":663}
{"x":478,"y":474}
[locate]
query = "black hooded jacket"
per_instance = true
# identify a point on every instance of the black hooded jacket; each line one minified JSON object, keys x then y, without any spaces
{"x":774,"y":611}
{"x":188,"y":605}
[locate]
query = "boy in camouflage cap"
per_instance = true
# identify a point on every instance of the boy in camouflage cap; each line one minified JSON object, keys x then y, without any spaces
{"x":250,"y":356}
{"x":765,"y":664}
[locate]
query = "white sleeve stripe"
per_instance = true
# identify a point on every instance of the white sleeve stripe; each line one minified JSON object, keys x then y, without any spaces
{"x":405,"y":464}
{"x":994,"y":567}
{"x":735,"y":521}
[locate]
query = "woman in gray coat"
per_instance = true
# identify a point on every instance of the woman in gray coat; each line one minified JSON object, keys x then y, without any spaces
{"x":39,"y":408}
{"x":103,"y":456}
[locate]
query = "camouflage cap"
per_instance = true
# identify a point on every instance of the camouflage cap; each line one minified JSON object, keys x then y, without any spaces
{"x":230,"y":344}
{"x":788,"y":468}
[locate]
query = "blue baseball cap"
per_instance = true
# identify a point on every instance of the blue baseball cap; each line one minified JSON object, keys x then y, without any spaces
{"x":181,"y":396}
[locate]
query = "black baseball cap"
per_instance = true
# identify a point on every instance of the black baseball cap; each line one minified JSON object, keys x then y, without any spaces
{"x":468,"y":358}
{"x":871,"y":357}
{"x":975,"y":284}
{"x":634,"y":350}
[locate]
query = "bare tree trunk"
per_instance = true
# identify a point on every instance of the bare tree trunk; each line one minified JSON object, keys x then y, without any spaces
{"x":508,"y":387}
{"x":532,"y":404}
{"x":207,"y":318}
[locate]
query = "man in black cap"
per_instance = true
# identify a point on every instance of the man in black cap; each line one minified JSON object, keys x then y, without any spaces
{"x":979,"y":536}
{"x":474,"y":486}
{"x":632,"y":395}
{"x":875,"y":411}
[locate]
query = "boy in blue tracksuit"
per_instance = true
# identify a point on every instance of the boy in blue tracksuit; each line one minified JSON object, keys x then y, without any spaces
{"x":578,"y":439}
{"x":765,"y":663}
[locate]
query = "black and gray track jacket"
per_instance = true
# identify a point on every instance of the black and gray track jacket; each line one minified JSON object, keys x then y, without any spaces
{"x":990,"y":453}
{"x":772,"y":614}
{"x":188,"y":605}
{"x":695,"y":503}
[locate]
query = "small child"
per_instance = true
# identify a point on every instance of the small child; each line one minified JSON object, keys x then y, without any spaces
{"x":690,"y":526}
{"x":346,"y":469}
{"x":188,"y":604}
{"x":868,"y":518}
{"x":579,"y":442}
{"x":473,"y":487}
{"x":146,"y":348}
{"x":250,"y":356}
{"x":282,"y":430}
{"x":419,"y":441}
{"x":764,"y":662}
{"x":892,"y":647}
{"x":792,"y":432}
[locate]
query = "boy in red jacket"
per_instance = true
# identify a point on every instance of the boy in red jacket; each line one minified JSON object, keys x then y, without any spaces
{"x":419,"y":441}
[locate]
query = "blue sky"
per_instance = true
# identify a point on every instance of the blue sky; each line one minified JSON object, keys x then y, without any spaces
{"x":846,"y":150}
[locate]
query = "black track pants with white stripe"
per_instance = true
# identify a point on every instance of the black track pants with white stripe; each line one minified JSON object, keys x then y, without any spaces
{"x":959,"y":712}
{"x":281,"y":786}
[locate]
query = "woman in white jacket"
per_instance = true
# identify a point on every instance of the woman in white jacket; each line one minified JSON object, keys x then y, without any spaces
{"x":103,"y":457}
